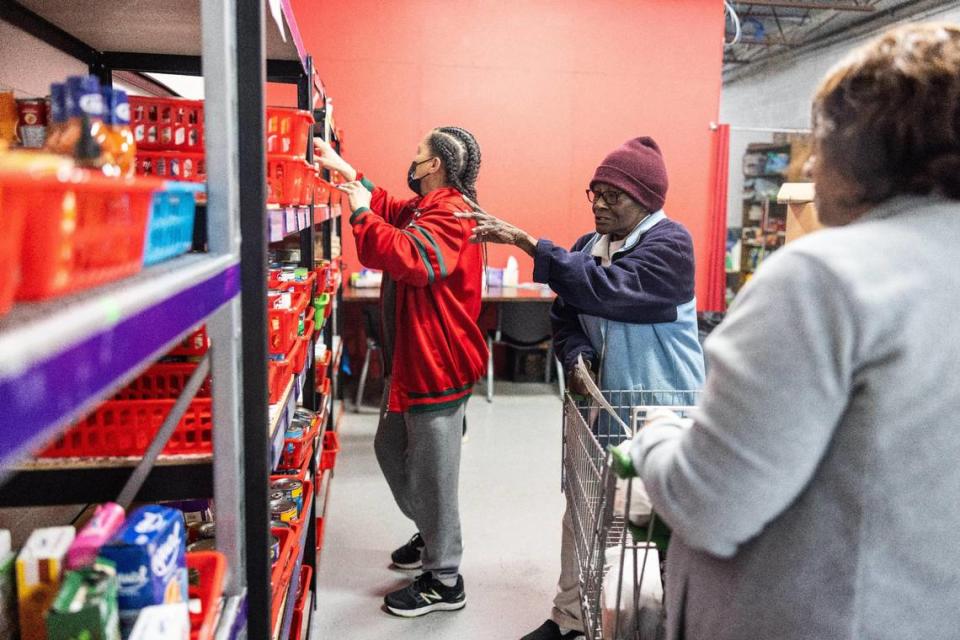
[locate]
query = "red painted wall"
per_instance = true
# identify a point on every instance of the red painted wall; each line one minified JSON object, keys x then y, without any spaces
{"x":547,"y":87}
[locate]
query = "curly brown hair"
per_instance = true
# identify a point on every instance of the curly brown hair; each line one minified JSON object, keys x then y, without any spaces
{"x":888,"y":116}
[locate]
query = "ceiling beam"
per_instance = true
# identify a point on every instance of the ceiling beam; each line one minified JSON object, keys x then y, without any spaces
{"x":807,"y":4}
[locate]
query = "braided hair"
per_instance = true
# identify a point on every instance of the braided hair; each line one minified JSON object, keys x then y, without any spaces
{"x":460,"y":153}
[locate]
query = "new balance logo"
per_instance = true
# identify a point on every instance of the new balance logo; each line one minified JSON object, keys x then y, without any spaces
{"x":431,"y":597}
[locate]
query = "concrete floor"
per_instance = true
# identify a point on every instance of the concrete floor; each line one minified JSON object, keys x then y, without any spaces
{"x":511,"y":508}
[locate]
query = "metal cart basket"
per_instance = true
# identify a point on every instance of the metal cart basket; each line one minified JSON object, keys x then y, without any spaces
{"x":591,"y":425}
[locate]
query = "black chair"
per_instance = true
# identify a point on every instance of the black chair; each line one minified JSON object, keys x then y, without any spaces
{"x":371,"y":319}
{"x":524,"y":326}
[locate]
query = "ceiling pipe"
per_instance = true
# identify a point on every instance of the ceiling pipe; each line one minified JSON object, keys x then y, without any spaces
{"x":826,"y":5}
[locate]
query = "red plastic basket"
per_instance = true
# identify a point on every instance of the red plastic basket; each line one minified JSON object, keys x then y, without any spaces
{"x":283,"y":325}
{"x":167,"y":123}
{"x":126,"y":428}
{"x":321,"y":521}
{"x":278,"y":375}
{"x":300,"y":473}
{"x":287,"y":177}
{"x":11,"y":237}
{"x":309,"y":187}
{"x":331,"y":447}
{"x":282,"y":572}
{"x":321,"y":191}
{"x":297,"y":450}
{"x":288,"y":131}
{"x":303,"y":344}
{"x":196,"y":344}
{"x":305,"y":287}
{"x":303,"y":598}
{"x":172,"y":165}
{"x":125,"y":425}
{"x":163,"y":381}
{"x":210,"y":568}
{"x":79,"y":231}
{"x":322,"y":370}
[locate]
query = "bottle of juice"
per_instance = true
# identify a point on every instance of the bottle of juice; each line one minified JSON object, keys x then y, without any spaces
{"x":82,"y":100}
{"x":105,"y":137}
{"x":85,"y":128}
{"x":122,"y":146}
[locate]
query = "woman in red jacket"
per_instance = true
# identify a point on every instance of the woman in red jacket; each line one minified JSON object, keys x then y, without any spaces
{"x":434,"y":350}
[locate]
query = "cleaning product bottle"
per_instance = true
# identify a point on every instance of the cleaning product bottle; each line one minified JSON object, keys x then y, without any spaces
{"x":511,"y":275}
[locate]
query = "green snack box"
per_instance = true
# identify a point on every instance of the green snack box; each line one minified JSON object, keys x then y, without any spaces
{"x":86,"y":606}
{"x":8,"y":593}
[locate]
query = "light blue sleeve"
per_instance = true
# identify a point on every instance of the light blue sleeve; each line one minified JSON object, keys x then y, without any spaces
{"x":780,"y":374}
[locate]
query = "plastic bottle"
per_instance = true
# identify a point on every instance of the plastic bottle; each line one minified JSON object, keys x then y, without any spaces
{"x":126,"y":149}
{"x":85,"y":127}
{"x":511,"y":275}
{"x":105,"y":135}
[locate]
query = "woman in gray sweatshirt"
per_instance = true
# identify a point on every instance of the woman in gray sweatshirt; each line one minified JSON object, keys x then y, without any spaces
{"x":817,"y":493}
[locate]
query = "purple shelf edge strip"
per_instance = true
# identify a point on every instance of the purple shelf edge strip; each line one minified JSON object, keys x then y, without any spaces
{"x":35,"y":401}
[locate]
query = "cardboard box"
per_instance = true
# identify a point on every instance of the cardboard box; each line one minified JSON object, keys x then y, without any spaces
{"x":86,"y":607}
{"x":150,"y":554}
{"x":801,"y":212}
{"x":162,"y":622}
{"x":39,"y":568}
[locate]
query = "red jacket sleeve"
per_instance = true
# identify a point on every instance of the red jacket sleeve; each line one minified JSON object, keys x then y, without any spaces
{"x":382,"y":203}
{"x":423,"y":252}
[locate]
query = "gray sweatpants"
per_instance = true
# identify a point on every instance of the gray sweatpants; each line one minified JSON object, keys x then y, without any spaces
{"x":419,"y":454}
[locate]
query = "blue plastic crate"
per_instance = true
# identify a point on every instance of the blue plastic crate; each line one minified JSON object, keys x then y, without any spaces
{"x":170,"y":229}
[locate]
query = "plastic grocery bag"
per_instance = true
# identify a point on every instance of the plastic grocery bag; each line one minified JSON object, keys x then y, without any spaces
{"x":640,"y":505}
{"x":647,"y":615}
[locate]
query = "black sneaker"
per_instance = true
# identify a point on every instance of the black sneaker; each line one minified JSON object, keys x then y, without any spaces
{"x":550,"y":630}
{"x":408,"y":556}
{"x":424,"y":595}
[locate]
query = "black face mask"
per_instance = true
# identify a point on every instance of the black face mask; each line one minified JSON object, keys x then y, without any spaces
{"x":414,"y":183}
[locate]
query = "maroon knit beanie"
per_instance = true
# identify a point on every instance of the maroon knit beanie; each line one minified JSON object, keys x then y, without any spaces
{"x":637,"y":169}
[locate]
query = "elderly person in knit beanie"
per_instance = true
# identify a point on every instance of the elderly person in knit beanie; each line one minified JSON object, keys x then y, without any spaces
{"x":625,"y":304}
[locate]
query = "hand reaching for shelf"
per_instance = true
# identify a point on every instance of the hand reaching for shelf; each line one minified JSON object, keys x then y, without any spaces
{"x":328,"y":158}
{"x":358,"y":194}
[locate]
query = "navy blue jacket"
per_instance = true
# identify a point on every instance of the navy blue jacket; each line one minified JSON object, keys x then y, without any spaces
{"x":634,"y":319}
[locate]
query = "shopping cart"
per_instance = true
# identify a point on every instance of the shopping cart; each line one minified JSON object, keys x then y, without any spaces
{"x":602,"y":532}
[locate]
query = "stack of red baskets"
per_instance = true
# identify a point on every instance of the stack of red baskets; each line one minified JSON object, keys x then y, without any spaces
{"x":169,"y":136}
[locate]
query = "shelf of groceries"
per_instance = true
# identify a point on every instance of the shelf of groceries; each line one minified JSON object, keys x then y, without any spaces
{"x":99,"y":289}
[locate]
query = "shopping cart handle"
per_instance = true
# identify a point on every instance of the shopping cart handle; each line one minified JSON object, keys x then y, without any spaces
{"x":620,"y":460}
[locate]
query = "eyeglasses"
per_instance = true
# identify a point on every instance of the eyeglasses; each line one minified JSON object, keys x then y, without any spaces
{"x":610,"y":196}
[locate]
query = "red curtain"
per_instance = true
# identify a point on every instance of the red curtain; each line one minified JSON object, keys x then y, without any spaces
{"x":715,"y":298}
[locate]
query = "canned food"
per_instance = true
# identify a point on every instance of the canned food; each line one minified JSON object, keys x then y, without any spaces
{"x":284,"y":510}
{"x":276,"y":495}
{"x":274,"y":548}
{"x":290,"y":488}
{"x":32,"y":113}
{"x":279,"y":524}
{"x":207,"y":530}
{"x":305,"y":415}
{"x":207,"y":544}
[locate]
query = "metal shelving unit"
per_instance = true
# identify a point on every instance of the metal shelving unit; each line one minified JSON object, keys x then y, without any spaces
{"x":73,"y":353}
